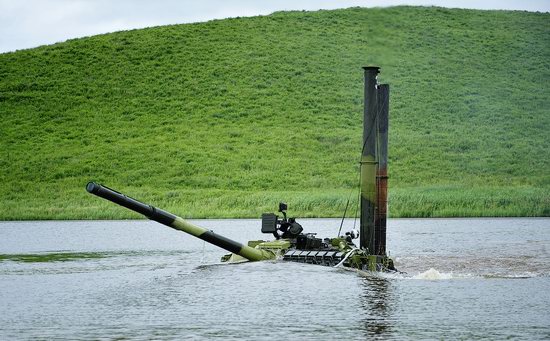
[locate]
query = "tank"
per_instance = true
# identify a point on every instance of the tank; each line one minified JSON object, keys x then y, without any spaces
{"x":290,"y":242}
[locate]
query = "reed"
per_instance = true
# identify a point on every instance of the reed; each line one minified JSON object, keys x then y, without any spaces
{"x":403,"y":203}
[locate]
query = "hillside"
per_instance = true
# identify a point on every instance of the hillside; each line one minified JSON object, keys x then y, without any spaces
{"x":227,"y":118}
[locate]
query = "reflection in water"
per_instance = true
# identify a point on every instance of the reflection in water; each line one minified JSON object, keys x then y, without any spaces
{"x":51,"y":257}
{"x":66,"y":256}
{"x":376,"y":300}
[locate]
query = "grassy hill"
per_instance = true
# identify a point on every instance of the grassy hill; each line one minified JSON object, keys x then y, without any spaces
{"x":227,"y":118}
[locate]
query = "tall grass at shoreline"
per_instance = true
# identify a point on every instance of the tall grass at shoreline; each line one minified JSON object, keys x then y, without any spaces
{"x":403,"y":203}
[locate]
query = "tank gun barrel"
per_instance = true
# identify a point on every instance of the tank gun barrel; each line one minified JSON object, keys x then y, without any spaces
{"x":175,"y":222}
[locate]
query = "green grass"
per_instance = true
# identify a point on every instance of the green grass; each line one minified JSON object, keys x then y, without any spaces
{"x":227,"y":118}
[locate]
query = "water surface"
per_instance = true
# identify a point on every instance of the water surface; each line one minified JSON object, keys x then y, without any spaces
{"x":465,"y":278}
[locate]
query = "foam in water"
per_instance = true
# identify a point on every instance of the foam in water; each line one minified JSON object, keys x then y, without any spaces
{"x":433,"y":274}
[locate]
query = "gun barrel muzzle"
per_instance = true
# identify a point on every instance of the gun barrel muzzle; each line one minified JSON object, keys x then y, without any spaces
{"x":149,"y":211}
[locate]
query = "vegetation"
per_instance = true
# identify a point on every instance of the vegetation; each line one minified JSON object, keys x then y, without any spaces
{"x":227,"y":118}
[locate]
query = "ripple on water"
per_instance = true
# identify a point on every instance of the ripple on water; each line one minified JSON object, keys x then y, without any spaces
{"x":470,"y":283}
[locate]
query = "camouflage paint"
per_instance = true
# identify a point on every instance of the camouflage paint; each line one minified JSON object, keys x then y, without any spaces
{"x":245,"y":251}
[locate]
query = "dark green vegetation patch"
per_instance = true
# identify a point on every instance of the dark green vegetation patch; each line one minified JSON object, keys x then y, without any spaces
{"x":50,"y":257}
{"x":226,"y":118}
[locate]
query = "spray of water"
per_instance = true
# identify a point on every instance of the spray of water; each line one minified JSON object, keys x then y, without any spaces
{"x":433,"y":274}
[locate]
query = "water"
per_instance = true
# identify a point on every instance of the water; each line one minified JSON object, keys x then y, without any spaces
{"x":465,"y":279}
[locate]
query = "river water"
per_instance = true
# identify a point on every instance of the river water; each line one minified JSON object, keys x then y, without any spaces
{"x":465,"y":279}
